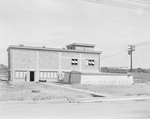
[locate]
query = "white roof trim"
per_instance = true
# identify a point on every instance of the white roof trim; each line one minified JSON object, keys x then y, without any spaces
{"x":51,"y":49}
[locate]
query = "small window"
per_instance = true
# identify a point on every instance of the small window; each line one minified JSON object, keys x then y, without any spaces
{"x":21,"y":74}
{"x":52,"y":75}
{"x":90,"y":62}
{"x":74,"y":62}
{"x":55,"y":75}
{"x":17,"y":74}
{"x":45,"y":74}
{"x":41,"y":74}
{"x":48,"y":74}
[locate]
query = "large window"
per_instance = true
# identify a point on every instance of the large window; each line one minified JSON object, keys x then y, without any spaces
{"x":20,"y":74}
{"x":74,"y":61}
{"x":48,"y":74}
{"x":90,"y":62}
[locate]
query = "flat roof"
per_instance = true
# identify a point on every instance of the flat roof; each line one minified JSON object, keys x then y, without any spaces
{"x":81,"y":44}
{"x":50,"y":49}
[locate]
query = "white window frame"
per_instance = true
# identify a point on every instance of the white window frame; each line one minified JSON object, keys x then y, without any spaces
{"x":48,"y":74}
{"x":20,"y":74}
{"x":45,"y":75}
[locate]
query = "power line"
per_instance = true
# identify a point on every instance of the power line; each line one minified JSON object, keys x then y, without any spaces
{"x":121,"y":4}
{"x":143,"y":43}
{"x":113,"y":54}
{"x":131,"y":49}
{"x":135,"y":45}
{"x":140,"y":1}
{"x":146,"y":1}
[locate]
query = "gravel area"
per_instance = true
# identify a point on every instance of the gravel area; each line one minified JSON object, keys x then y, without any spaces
{"x":22,"y":91}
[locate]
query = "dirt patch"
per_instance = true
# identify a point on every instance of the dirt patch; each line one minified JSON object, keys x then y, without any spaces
{"x":20,"y":91}
{"x":138,"y":89}
{"x":141,"y":77}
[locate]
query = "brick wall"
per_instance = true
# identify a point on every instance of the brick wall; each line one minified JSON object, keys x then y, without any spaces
{"x":89,"y":56}
{"x":66,"y":58}
{"x":89,"y":68}
{"x":66,"y":64}
{"x":48,"y":60}
{"x":69,"y":54}
{"x":79,"y":48}
{"x":24,"y":59}
{"x":27,"y":59}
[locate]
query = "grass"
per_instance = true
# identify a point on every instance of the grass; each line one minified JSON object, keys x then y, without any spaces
{"x":141,"y":77}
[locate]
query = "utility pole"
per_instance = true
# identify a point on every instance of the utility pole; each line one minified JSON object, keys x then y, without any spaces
{"x":131,"y":49}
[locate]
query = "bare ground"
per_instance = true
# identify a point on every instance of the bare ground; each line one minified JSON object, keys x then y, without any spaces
{"x":141,"y":87}
{"x":22,"y":91}
{"x":138,"y":89}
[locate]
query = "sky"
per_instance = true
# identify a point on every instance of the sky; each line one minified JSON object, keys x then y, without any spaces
{"x":57,"y":23}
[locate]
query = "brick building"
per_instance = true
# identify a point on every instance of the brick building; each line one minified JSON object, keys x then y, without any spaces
{"x":35,"y":63}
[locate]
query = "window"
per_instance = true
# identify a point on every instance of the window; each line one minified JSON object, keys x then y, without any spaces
{"x":89,"y":62}
{"x":41,"y":74}
{"x":20,"y":74}
{"x":52,"y":74}
{"x":48,"y":74}
{"x":17,"y":74}
{"x":55,"y":75}
{"x":25,"y":74}
{"x":74,"y":62}
{"x":45,"y":74}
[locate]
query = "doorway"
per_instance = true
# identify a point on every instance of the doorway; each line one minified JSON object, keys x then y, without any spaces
{"x":31,"y":75}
